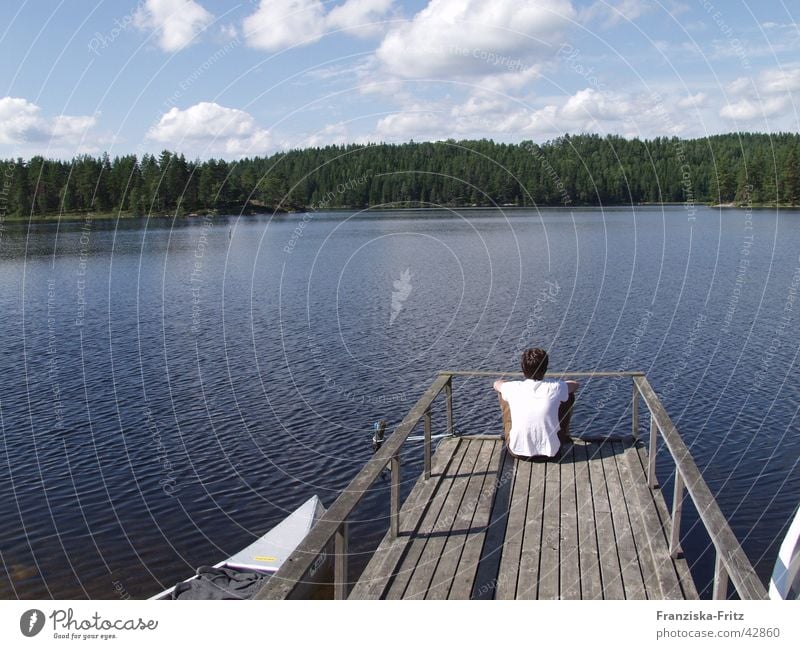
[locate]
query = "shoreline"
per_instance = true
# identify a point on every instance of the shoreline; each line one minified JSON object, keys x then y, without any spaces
{"x":72,"y":217}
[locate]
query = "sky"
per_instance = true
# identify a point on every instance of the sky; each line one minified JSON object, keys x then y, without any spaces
{"x":232,"y":79}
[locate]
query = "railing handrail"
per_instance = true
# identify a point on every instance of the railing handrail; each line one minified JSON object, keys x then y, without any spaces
{"x":551,"y":373}
{"x":296,"y":567}
{"x":729,"y":551}
{"x":333,"y":524}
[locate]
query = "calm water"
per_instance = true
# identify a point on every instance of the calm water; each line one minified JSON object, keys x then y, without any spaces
{"x":171,"y":390}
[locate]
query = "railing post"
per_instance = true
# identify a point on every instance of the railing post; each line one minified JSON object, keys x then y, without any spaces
{"x":427,"y":443}
{"x":720,"y":579}
{"x":448,"y":397}
{"x":394,"y":515}
{"x":341,"y":551}
{"x":651,"y":460}
{"x":635,"y":415}
{"x":677,"y":509}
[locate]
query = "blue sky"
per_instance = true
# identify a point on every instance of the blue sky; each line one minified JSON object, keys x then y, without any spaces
{"x":227,"y":79}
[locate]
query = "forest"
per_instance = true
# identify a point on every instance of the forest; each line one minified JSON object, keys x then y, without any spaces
{"x":572,"y":170}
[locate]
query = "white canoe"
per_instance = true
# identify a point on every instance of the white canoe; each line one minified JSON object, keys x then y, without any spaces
{"x":268,"y":553}
{"x":785,"y":582}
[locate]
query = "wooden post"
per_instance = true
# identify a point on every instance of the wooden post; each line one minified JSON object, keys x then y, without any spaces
{"x":448,"y":397}
{"x":651,"y":461}
{"x":427,"y":443}
{"x":720,"y":579}
{"x":677,"y":509}
{"x":340,"y":561}
{"x":635,"y":416}
{"x":394,"y":515}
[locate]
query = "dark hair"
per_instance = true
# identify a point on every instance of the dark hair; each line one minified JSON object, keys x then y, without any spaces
{"x":534,"y":363}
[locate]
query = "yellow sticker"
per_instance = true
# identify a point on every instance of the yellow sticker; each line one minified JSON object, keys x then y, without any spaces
{"x":266,"y":558}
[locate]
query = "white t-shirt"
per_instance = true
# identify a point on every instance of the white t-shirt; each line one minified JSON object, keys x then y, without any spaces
{"x":534,"y":415}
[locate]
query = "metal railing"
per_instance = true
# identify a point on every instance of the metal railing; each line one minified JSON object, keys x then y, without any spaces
{"x":731,"y":562}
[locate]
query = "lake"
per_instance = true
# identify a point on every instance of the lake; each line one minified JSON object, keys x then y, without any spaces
{"x":171,"y":389}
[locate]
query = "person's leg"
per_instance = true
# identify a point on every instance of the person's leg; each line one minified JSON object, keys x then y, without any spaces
{"x":564,"y":417}
{"x":507,"y":426}
{"x":506,"y":416}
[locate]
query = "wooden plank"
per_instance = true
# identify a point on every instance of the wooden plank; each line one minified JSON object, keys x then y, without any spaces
{"x":741,"y":571}
{"x":383,"y":564}
{"x":681,"y":566}
{"x":340,"y":559}
{"x":668,"y":583}
{"x":416,"y":569}
{"x":589,"y":558}
{"x":628,"y":480}
{"x":433,"y":541}
{"x":529,"y":561}
{"x":681,"y":585}
{"x":468,"y":565}
{"x":450,"y":554}
{"x":610,"y":570}
{"x":485,"y":584}
{"x":632,"y":580}
{"x":394,"y":498}
{"x":551,"y":534}
{"x":570,"y":579}
{"x":515,"y":530}
{"x":295,"y":569}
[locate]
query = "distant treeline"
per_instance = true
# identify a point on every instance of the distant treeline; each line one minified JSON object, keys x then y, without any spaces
{"x":570,"y":170}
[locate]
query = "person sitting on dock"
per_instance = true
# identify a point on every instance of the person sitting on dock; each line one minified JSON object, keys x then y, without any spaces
{"x":536,"y":411}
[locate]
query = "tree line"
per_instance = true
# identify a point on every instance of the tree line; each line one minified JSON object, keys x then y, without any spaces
{"x":571,"y":170}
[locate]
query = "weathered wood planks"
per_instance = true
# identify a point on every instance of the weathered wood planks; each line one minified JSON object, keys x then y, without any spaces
{"x":489,"y":526}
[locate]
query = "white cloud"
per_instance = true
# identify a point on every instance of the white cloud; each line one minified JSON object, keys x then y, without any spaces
{"x":592,"y":111}
{"x":488,"y":114}
{"x":21,"y":123}
{"x":780,"y":80}
{"x":741,"y":85}
{"x":18,"y":118}
{"x":228,"y":33}
{"x":278,"y":24}
{"x":360,"y":17}
{"x":594,"y":105}
{"x":415,"y":122}
{"x":698,"y":100}
{"x":474,"y":37}
{"x":774,"y":25}
{"x":768,"y":94}
{"x":609,"y":14}
{"x":479,"y":116}
{"x":175,"y":22}
{"x":330,"y":134}
{"x":210,"y":129}
{"x":747,"y":110}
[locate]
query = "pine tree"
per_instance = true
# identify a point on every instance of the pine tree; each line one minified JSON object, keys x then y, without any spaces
{"x":790,"y":194}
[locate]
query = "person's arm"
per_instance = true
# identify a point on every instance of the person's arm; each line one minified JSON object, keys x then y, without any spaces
{"x":498,"y":384}
{"x":572,"y":386}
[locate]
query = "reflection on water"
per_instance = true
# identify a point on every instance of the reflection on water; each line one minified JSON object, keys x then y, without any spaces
{"x":172,"y":390}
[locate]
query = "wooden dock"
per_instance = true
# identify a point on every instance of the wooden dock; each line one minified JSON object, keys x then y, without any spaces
{"x":479,"y":524}
{"x":487,"y":526}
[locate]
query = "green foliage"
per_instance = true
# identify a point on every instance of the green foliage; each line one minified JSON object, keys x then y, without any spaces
{"x":570,"y":170}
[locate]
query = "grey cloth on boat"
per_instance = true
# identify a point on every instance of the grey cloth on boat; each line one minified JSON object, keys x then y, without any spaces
{"x":220,"y":583}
